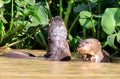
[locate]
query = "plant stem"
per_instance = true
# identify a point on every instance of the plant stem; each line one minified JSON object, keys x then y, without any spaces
{"x":73,"y":24}
{"x":49,"y":11}
{"x":13,"y":43}
{"x":84,"y":32}
{"x":42,"y":39}
{"x":98,"y":28}
{"x":12,"y":15}
{"x":94,"y":30}
{"x":67,"y":14}
{"x":89,"y":6}
{"x":61,"y":8}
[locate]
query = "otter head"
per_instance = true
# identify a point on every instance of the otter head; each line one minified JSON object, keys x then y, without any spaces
{"x":90,"y":49}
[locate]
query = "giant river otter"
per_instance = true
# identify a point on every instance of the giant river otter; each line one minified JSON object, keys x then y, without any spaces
{"x":58,"y":48}
{"x":92,"y":51}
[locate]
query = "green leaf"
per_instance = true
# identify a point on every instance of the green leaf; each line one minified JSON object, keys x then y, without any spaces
{"x":104,"y":44}
{"x":80,"y":8}
{"x":85,"y":14}
{"x":118,"y":37}
{"x":70,"y":37}
{"x":74,"y":42}
{"x":40,"y":15}
{"x":86,"y":21}
{"x":41,"y":39}
{"x":110,"y":40}
{"x":34,"y":21}
{"x":28,"y":11}
{"x":3,"y":19}
{"x":93,"y":0}
{"x":108,"y":20}
{"x":117,"y":17}
{"x":31,"y":2}
{"x":1,"y":3}
{"x":21,"y":3}
{"x":6,"y":1}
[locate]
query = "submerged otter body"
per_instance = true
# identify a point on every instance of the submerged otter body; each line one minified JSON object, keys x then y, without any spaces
{"x":92,"y":51}
{"x":16,"y":54}
{"x":21,"y":55}
{"x":58,"y":48}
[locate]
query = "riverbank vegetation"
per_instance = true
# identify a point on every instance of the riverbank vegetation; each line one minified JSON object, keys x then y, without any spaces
{"x":24,"y":23}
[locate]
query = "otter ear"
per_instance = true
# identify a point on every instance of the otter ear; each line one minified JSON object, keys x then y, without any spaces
{"x":99,"y":44}
{"x":79,"y":41}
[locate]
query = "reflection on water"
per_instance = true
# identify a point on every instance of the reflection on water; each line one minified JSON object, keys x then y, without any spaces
{"x":41,"y":69}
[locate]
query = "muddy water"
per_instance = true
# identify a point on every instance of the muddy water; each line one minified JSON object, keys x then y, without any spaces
{"x":43,"y":69}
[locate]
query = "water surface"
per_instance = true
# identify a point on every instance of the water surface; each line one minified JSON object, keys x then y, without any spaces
{"x":43,"y":69}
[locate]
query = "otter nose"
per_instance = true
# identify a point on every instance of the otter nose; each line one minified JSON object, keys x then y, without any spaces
{"x":80,"y":45}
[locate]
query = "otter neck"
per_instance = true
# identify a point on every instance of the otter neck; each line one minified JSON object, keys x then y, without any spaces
{"x":100,"y":54}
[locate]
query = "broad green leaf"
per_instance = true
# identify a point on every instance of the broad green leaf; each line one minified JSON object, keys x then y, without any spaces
{"x":118,"y":24}
{"x":84,"y":7}
{"x":6,"y":1}
{"x":1,"y":3}
{"x":104,"y":44}
{"x":70,"y":37}
{"x":93,"y":0}
{"x":41,"y":15}
{"x":117,"y":17}
{"x":110,"y":40}
{"x":85,"y":14}
{"x":21,"y":3}
{"x":118,"y":37}
{"x":80,"y":8}
{"x":118,"y":2}
{"x":28,"y":11}
{"x":108,"y":20}
{"x":86,"y":21}
{"x":31,"y":2}
{"x":34,"y":21}
{"x":3,"y":19}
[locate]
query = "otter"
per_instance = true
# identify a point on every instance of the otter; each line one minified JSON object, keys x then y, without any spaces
{"x":58,"y":48}
{"x":18,"y":54}
{"x":21,"y":55}
{"x":92,"y":51}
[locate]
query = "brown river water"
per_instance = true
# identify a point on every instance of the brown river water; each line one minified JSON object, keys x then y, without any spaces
{"x":44,"y":69}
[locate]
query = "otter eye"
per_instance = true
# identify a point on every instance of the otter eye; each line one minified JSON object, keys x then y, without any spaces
{"x":86,"y":42}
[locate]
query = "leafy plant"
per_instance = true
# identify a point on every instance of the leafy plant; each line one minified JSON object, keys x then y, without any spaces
{"x":111,"y":25}
{"x":28,"y":20}
{"x":27,"y":14}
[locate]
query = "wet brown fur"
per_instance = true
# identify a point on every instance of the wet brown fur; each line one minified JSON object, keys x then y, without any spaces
{"x":58,"y":48}
{"x":92,"y":51}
